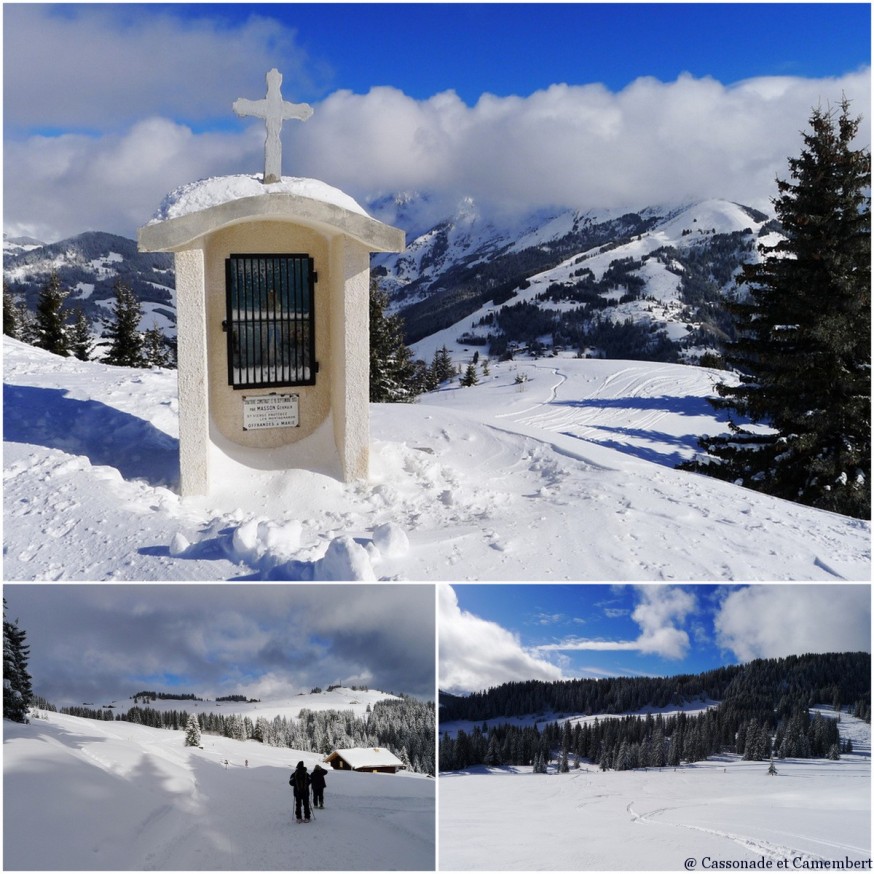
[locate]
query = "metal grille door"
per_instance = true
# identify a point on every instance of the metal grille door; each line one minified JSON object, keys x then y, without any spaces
{"x":270,"y":324}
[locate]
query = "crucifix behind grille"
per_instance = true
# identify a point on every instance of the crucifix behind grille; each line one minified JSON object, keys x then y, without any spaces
{"x":270,"y":324}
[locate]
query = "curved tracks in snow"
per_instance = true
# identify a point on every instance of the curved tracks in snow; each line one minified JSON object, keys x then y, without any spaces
{"x":626,"y":408}
{"x":755,"y":845}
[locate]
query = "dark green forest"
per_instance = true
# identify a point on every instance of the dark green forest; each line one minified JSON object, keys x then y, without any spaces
{"x":763,"y":710}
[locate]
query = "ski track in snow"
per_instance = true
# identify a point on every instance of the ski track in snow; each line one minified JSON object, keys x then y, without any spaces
{"x":756,"y":846}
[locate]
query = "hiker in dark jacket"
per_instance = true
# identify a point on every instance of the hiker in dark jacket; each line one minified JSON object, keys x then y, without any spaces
{"x":300,"y":782}
{"x":317,"y":781}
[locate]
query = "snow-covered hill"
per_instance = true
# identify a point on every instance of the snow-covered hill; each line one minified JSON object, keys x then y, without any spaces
{"x":82,"y":794}
{"x":452,"y":727}
{"x":665,"y":268}
{"x":89,"y":266}
{"x":719,"y":813}
{"x":337,"y":698}
{"x":550,"y":469}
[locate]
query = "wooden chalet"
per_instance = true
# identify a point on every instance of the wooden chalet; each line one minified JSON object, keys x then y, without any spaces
{"x":376,"y":760}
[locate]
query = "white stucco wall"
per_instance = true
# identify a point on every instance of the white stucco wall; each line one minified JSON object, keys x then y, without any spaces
{"x":192,"y":373}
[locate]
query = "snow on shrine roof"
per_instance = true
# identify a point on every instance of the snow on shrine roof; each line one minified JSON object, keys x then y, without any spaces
{"x":198,"y":208}
{"x":368,"y":757}
{"x":195,"y":196}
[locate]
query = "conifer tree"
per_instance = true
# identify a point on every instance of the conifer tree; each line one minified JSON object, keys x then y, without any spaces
{"x":804,"y":337}
{"x":564,"y":764}
{"x":392,"y":369}
{"x":155,"y":351}
{"x":81,"y":344}
{"x":17,"y":691}
{"x":11,"y":324}
{"x":51,"y":331}
{"x":470,"y":377}
{"x":441,"y":367}
{"x":192,"y":732}
{"x":126,"y":348}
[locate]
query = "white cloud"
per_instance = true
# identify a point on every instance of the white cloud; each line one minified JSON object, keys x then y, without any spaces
{"x":774,"y":621}
{"x":147,"y":107}
{"x":575,"y":145}
{"x":476,"y":654}
{"x":659,"y":612}
{"x":104,"y":66}
{"x":60,"y":186}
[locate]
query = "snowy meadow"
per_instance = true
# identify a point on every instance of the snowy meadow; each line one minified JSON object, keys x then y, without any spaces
{"x":549,"y":469}
{"x":94,"y":795}
{"x":720,"y":813}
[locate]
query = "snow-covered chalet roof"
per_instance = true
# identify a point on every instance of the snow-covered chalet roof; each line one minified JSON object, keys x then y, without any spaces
{"x":368,"y":757}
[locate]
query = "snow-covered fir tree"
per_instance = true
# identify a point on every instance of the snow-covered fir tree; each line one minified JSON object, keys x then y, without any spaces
{"x":17,"y":690}
{"x":11,"y":322}
{"x":50,"y":322}
{"x":155,"y":350}
{"x":393,"y":373}
{"x":470,"y":376}
{"x":192,"y":732}
{"x":441,"y":369}
{"x":126,"y":347}
{"x":803,"y":345}
{"x":81,"y":341}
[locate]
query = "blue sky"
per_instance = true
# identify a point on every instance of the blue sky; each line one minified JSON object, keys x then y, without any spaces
{"x":520,"y":48}
{"x":108,"y":107}
{"x":264,"y":641}
{"x":578,"y":630}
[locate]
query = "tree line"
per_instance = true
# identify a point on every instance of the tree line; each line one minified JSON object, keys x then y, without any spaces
{"x":652,"y":741}
{"x":66,"y":331}
{"x":835,"y":678}
{"x":763,"y":710}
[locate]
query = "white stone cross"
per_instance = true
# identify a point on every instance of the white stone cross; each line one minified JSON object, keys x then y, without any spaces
{"x":274,"y":110}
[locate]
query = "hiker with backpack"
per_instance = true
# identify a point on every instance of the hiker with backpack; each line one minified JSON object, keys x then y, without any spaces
{"x":300,"y":783}
{"x":317,"y":781}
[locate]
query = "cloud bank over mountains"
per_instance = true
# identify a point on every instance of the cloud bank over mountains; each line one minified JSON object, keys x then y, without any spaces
{"x":97,"y":146}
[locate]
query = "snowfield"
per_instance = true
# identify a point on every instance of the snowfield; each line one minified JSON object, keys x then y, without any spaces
{"x":83,"y":794}
{"x":566,"y":474}
{"x":723,"y":812}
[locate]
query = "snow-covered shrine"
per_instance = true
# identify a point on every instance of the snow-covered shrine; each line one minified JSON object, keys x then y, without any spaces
{"x":272,"y":309}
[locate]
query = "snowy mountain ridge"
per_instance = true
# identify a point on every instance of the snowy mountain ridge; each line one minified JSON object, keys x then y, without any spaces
{"x":464,"y":265}
{"x":667,"y":267}
{"x":88,"y":266}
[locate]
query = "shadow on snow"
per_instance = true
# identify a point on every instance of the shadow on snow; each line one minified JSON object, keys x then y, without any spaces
{"x":105,"y":436}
